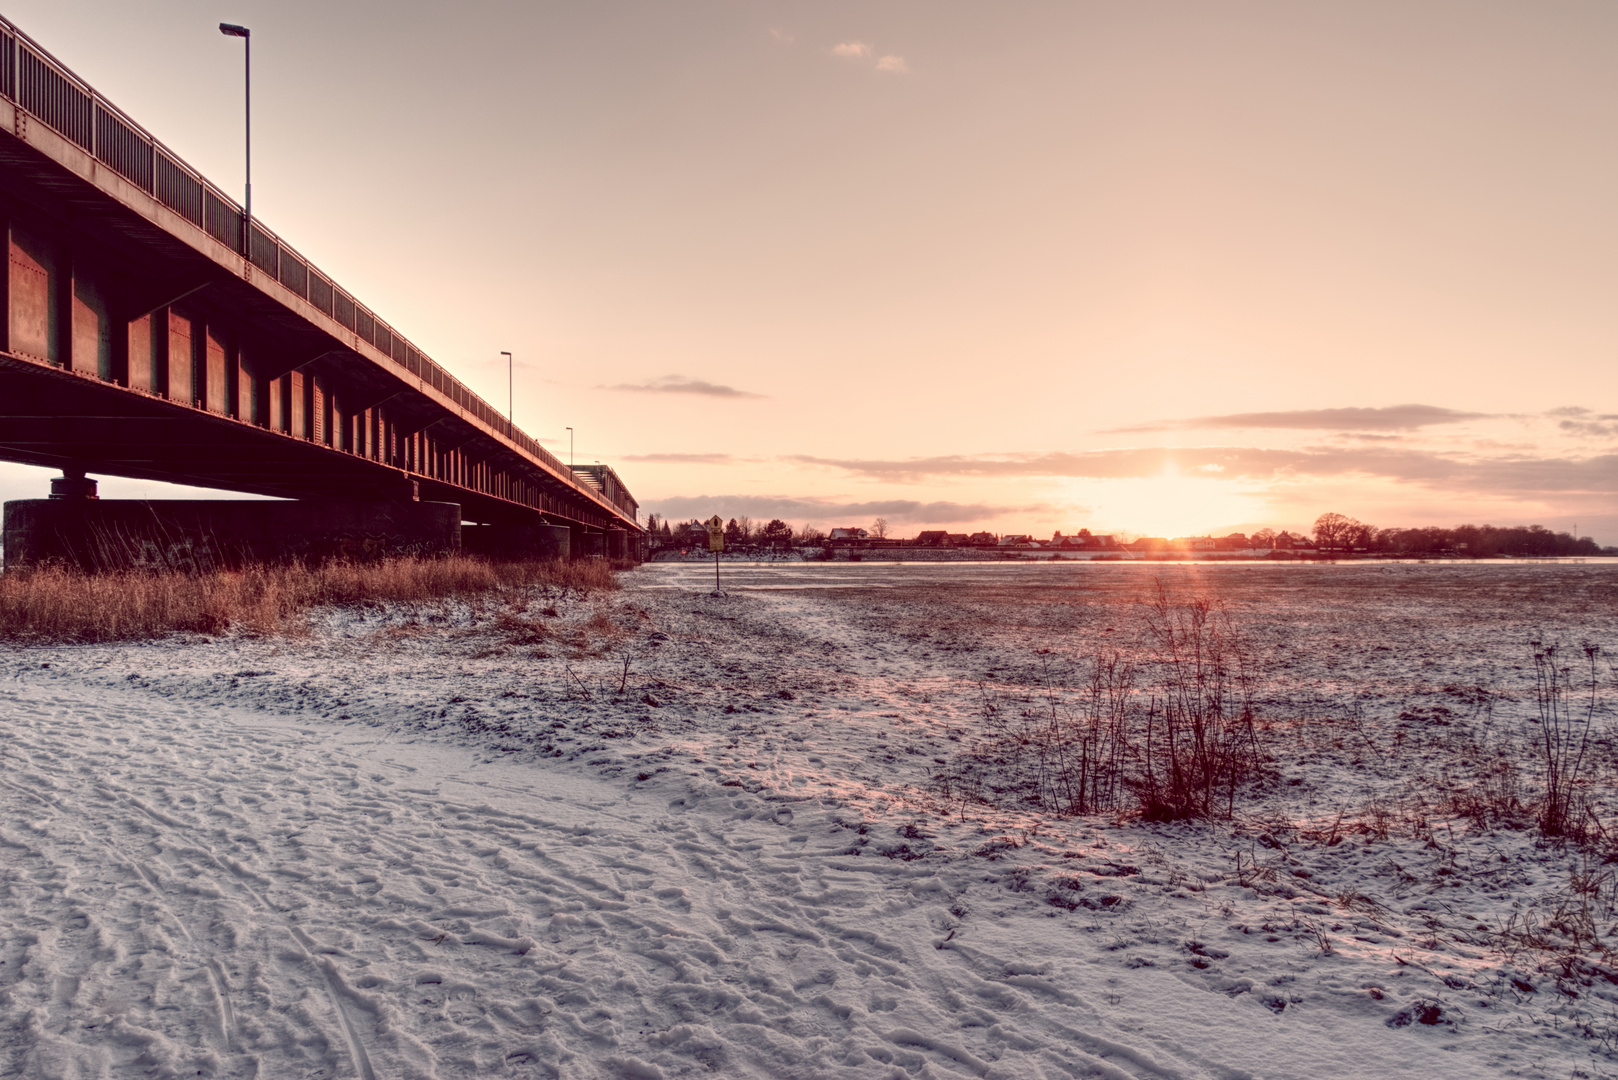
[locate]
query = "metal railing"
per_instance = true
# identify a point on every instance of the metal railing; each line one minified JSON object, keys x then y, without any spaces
{"x":33,"y":80}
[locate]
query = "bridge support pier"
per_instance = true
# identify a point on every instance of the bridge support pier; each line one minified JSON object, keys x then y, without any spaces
{"x":186,"y":534}
{"x":507,"y":541}
{"x":588,"y":543}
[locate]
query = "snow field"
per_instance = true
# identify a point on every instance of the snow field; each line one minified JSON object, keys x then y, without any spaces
{"x":435,"y":854}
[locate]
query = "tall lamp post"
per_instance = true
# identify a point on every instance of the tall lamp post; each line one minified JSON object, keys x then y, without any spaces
{"x":232,"y":30}
{"x":511,"y":392}
{"x":570,"y":449}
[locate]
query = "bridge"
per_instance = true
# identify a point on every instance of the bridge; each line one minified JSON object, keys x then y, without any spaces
{"x":152,"y":331}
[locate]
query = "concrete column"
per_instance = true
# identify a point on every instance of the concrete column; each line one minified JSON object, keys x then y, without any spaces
{"x":617,"y":544}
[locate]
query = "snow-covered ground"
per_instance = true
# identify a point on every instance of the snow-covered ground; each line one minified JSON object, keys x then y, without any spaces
{"x":663,"y":833}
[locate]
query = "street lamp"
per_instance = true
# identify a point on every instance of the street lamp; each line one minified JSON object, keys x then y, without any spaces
{"x":570,"y":449}
{"x":511,"y":395}
{"x":232,"y":30}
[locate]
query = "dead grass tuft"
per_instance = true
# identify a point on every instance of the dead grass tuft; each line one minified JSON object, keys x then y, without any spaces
{"x":56,"y":604}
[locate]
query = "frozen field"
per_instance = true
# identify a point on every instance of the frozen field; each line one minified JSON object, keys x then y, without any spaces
{"x":664,"y":833}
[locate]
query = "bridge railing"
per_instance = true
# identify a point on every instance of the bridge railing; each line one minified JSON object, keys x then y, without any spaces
{"x":33,"y":79}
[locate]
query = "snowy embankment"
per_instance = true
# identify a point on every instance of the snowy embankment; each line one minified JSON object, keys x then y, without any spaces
{"x":663,"y":833}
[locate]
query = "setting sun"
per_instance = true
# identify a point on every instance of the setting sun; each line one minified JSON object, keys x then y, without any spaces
{"x":1169,"y":505}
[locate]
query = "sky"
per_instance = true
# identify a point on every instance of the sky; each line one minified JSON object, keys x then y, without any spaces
{"x":1151,"y":268}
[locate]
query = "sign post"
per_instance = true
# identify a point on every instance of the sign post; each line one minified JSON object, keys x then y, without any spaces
{"x":716,"y":544}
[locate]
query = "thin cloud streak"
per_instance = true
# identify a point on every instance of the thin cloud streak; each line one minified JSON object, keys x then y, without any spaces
{"x":1516,"y":474}
{"x":680,"y":384}
{"x":794,"y":509}
{"x":681,"y":459}
{"x":851,"y":50}
{"x":1386,"y":418}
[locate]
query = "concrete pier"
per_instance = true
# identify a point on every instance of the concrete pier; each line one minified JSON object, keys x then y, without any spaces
{"x":523,"y":541}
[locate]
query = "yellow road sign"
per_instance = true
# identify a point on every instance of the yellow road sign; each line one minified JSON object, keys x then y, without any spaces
{"x":716,"y":533}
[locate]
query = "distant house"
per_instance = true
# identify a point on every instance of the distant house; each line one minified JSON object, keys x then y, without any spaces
{"x":1084,"y":540}
{"x":983,"y":539}
{"x":846,"y":537}
{"x":1017,"y":540}
{"x":933,"y":538}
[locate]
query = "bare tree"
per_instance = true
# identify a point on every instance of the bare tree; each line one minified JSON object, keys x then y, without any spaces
{"x":1334,"y":531}
{"x":879,"y":528}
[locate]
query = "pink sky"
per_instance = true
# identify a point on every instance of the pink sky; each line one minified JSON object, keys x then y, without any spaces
{"x":1149,"y":267}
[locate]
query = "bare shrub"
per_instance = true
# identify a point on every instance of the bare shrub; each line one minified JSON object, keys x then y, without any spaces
{"x":55,"y":603}
{"x":1564,"y":735}
{"x":1095,"y":748}
{"x":1200,"y":742}
{"x":1094,"y":767}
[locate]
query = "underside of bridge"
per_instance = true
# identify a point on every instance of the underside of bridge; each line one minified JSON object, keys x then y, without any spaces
{"x":150,"y":331}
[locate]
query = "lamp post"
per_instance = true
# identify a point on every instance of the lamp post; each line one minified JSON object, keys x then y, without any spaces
{"x":511,"y":395}
{"x":570,"y":449}
{"x":232,"y":30}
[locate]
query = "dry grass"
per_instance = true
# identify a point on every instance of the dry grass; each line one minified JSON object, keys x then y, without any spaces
{"x":63,"y":605}
{"x":1178,"y":745}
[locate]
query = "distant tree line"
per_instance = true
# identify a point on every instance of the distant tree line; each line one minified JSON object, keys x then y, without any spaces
{"x":741,"y":533}
{"x":1332,"y":533}
{"x":1336,"y":532}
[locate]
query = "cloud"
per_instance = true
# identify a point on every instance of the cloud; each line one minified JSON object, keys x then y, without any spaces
{"x":1516,"y":474}
{"x":680,"y":384}
{"x":681,"y":459}
{"x":784,"y":36}
{"x":1388,"y":418}
{"x":1582,"y":422}
{"x":862,"y":50}
{"x":825,"y":511}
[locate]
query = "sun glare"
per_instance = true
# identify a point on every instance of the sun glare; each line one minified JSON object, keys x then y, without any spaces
{"x":1171,"y":505}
